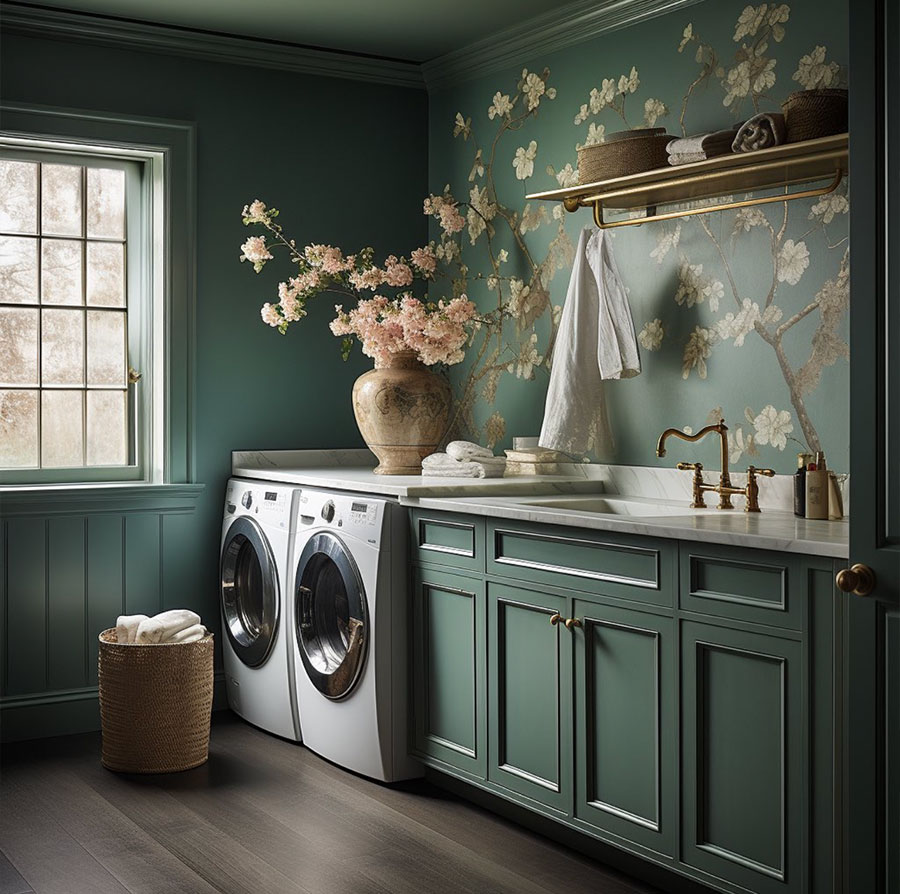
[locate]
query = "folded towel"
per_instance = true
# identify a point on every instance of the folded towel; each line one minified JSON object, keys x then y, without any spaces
{"x":760,"y":132}
{"x":188,"y":635}
{"x":162,"y":626}
{"x":686,"y":158}
{"x":440,"y":465}
{"x":716,"y":142}
{"x":467,"y":450}
{"x":127,"y":627}
{"x":595,"y":341}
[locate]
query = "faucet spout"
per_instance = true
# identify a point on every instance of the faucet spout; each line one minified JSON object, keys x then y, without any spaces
{"x":721,"y":429}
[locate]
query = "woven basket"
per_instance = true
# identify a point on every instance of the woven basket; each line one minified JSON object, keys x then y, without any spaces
{"x":624,"y":153}
{"x":809,"y":114}
{"x":155,"y":704}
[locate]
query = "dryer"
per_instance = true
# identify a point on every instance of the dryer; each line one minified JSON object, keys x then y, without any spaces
{"x":256,"y":608}
{"x":350,"y":632}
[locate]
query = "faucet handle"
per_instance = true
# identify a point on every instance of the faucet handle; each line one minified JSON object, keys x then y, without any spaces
{"x":687,"y":467}
{"x":768,"y":473}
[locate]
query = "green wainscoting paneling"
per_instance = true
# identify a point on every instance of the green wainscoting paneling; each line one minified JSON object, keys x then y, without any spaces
{"x":625,"y":672}
{"x":448,"y":659}
{"x":529,"y":692}
{"x":67,"y":591}
{"x":742,"y":770}
{"x":445,"y":539}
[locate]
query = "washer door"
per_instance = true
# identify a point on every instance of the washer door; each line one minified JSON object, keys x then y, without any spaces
{"x":250,"y":592}
{"x":332,"y":620}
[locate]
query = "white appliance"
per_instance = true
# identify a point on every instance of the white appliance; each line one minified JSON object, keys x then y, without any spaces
{"x":257,"y":611}
{"x":350,"y":633}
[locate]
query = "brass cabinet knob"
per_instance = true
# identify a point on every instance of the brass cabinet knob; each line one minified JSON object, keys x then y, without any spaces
{"x":572,"y":622}
{"x":858,"y":579}
{"x":555,"y":618}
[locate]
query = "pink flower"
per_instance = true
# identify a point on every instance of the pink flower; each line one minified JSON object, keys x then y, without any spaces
{"x":371,"y":278}
{"x":451,"y":220}
{"x":397,"y":273}
{"x":424,"y":259}
{"x":270,"y":315}
{"x":326,"y":257}
{"x":255,"y":212}
{"x":256,"y":251}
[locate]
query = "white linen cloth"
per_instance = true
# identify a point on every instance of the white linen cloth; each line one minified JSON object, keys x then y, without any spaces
{"x":188,"y":635}
{"x":160,"y":628}
{"x":468,"y":450}
{"x":440,"y":465}
{"x":127,"y":627}
{"x":595,"y":341}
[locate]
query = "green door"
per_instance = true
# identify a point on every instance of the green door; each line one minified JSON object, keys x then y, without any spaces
{"x":744,"y":803}
{"x":530,"y":694}
{"x":448,"y":671}
{"x":625,"y":724}
{"x":872,"y":622}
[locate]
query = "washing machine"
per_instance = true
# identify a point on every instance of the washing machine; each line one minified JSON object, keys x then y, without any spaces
{"x":257,"y":612}
{"x":350,"y":632}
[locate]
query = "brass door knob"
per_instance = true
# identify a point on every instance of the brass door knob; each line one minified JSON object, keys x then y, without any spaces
{"x":572,"y":622}
{"x":858,"y":579}
{"x":555,"y":618}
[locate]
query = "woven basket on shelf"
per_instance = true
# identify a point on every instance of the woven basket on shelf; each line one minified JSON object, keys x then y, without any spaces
{"x":809,"y":114}
{"x":624,"y":153}
{"x":155,"y":704}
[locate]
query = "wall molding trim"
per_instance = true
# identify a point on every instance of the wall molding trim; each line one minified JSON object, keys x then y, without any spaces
{"x":567,"y":26}
{"x":40,"y":21}
{"x":557,"y":29}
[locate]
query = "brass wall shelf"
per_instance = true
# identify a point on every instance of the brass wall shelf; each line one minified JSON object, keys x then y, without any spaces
{"x":780,"y":167}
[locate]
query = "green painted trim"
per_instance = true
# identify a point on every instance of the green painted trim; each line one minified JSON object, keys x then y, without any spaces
{"x":231,"y":49}
{"x":557,"y":29}
{"x":83,"y":499}
{"x":66,"y":712}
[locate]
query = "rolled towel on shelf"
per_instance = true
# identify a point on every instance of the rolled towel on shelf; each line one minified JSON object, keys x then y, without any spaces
{"x":467,"y":450}
{"x":707,"y":145}
{"x":162,"y":626}
{"x":188,"y":635}
{"x":762,"y":131}
{"x":686,"y":158}
{"x":127,"y":627}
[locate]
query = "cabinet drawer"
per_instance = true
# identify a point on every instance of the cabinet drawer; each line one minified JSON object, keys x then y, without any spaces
{"x":443,"y":538}
{"x":747,"y":584}
{"x":638,"y":568}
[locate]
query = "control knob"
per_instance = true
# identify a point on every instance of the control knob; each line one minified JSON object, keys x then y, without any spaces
{"x":328,"y":511}
{"x":247,"y":499}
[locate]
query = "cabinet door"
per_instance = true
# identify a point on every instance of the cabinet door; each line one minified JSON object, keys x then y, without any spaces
{"x":743,"y":798}
{"x":625,"y":724}
{"x":529,"y":686}
{"x":448,"y":626}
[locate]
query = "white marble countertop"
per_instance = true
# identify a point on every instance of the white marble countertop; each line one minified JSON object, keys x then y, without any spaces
{"x":770,"y":529}
{"x":774,"y":528}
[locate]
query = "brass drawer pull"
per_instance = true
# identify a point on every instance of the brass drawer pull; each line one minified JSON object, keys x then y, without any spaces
{"x":572,"y":622}
{"x":858,"y":579}
{"x":555,"y":618}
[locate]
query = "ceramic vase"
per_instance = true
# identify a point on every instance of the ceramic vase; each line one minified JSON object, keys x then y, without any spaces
{"x":402,"y":409}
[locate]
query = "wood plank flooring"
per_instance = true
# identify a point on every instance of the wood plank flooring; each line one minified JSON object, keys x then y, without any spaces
{"x":263,"y":816}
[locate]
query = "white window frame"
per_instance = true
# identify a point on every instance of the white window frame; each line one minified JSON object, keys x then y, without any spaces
{"x":163,"y":294}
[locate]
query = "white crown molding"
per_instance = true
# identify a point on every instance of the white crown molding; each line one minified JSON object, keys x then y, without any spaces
{"x":55,"y":23}
{"x":565,"y":27}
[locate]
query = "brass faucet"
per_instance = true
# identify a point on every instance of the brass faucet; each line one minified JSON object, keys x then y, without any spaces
{"x":724,"y":488}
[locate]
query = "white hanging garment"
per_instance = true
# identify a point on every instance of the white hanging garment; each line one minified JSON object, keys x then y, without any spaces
{"x":595,"y":341}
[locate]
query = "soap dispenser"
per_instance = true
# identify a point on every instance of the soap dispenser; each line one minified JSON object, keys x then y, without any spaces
{"x":817,"y":488}
{"x":803,"y":460}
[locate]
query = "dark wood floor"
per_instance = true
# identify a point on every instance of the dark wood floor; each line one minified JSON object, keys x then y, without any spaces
{"x":263,"y":816}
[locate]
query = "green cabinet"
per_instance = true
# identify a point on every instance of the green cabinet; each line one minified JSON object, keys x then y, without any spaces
{"x":742,"y":767}
{"x":625,"y":724}
{"x":448,"y":679}
{"x":679,"y":701}
{"x":529,"y":691}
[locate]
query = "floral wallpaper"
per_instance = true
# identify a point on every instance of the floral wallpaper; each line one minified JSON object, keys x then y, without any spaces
{"x":740,"y":313}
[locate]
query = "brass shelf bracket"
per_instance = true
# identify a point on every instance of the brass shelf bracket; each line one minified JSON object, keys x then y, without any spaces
{"x":603,"y":224}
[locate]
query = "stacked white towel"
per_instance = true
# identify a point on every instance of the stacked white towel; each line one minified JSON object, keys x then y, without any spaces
{"x":464,"y":459}
{"x":595,"y":341}
{"x":178,"y":625}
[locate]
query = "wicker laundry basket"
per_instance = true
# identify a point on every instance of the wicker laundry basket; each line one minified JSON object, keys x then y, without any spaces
{"x":155,"y":704}
{"x":623,"y":153}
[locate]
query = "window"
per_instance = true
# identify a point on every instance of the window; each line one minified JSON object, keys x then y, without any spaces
{"x":96,"y":298}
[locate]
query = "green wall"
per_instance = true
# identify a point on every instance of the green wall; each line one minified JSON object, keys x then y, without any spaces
{"x":345,"y":161}
{"x":738,"y":376}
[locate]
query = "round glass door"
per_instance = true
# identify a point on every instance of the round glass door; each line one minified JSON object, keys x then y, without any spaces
{"x":332,"y":621}
{"x":249,"y":586}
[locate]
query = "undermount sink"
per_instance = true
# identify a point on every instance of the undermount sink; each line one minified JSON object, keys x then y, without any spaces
{"x":611,"y":506}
